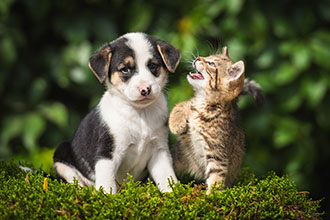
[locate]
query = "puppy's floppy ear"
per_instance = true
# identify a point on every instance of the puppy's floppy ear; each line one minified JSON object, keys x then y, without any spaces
{"x":99,"y":63}
{"x":170,"y":55}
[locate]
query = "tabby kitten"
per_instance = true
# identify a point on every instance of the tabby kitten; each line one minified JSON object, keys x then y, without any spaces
{"x":210,"y":143}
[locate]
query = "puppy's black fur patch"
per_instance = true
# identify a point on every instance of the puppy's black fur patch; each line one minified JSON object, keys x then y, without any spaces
{"x":120,"y":51}
{"x":92,"y":141}
{"x":169,"y":55}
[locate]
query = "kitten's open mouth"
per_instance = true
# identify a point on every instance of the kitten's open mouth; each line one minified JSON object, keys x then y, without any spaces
{"x":197,"y":75}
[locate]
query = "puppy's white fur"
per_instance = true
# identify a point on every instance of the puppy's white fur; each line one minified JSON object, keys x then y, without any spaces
{"x":137,"y":125}
{"x":139,"y":138}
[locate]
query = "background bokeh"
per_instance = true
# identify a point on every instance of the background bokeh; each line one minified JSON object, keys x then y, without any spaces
{"x":46,"y":87}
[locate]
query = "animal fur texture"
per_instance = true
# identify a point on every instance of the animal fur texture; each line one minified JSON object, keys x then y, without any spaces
{"x":211,"y":143}
{"x":127,"y":131}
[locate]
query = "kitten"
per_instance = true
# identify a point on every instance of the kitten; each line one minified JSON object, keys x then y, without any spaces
{"x":211,"y":143}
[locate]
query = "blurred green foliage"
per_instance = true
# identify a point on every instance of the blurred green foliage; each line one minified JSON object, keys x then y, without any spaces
{"x":46,"y":86}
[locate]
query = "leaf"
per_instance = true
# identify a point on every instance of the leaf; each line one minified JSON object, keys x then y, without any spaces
{"x":77,"y":54}
{"x":282,"y":27}
{"x":7,"y":51}
{"x":292,"y":102}
{"x":5,"y":7}
{"x":55,"y":112}
{"x":266,"y":80}
{"x":266,"y":59}
{"x":11,"y":127}
{"x":234,"y":6}
{"x":286,"y":73}
{"x":237,"y":49}
{"x":179,"y":93}
{"x":44,"y":158}
{"x":33,"y":127}
{"x":286,"y":132}
{"x":140,"y":21}
{"x":104,"y":28}
{"x":37,"y":90}
{"x":73,"y":29}
{"x":323,"y":117}
{"x":320,"y":44}
{"x":78,"y":75}
{"x":301,"y":57}
{"x":315,"y":90}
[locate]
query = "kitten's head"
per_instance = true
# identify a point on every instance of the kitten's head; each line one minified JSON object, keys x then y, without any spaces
{"x":217,"y":76}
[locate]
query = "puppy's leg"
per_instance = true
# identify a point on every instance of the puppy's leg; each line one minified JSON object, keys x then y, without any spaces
{"x":161,"y":169}
{"x":105,"y":173}
{"x":69,"y":173}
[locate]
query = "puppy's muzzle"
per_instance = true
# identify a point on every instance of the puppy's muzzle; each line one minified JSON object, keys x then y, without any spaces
{"x":145,"y":91}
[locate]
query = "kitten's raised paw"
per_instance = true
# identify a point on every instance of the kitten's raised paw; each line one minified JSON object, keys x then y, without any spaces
{"x":178,"y":123}
{"x":178,"y":127}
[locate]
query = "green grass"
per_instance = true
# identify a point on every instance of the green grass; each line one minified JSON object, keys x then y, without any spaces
{"x":25,"y":195}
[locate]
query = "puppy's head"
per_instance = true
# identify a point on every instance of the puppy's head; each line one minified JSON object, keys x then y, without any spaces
{"x":134,"y":66}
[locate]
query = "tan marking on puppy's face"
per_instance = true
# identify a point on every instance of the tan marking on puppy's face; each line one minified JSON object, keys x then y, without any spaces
{"x":124,"y":71}
{"x":163,"y":75}
{"x":128,"y":61}
{"x":137,"y":69}
{"x":115,"y":78}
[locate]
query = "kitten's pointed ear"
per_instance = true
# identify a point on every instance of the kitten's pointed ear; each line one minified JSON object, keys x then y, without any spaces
{"x":99,"y":63}
{"x":170,"y":55}
{"x":236,"y":71}
{"x":225,"y":51}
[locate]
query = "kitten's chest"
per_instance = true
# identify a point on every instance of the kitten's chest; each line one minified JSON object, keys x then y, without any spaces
{"x":207,"y":130}
{"x":218,"y":132}
{"x":197,"y":141}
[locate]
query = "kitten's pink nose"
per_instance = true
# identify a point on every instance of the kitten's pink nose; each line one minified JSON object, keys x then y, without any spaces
{"x":197,"y":59}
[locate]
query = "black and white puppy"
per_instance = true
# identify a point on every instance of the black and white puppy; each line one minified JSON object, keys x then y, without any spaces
{"x":127,"y":131}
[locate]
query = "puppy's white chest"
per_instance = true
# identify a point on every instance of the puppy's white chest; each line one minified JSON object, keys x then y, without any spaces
{"x":136,"y":147}
{"x":136,"y":133}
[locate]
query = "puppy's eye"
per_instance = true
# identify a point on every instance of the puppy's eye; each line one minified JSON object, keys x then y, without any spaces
{"x":125,"y":70}
{"x":153,"y":66}
{"x":211,"y":64}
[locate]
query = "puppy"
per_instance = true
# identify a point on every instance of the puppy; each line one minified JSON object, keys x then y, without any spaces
{"x":127,"y":131}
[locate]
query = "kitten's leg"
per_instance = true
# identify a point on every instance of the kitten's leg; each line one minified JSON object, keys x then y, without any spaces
{"x":216,"y":172}
{"x":179,"y":160}
{"x":179,"y":117}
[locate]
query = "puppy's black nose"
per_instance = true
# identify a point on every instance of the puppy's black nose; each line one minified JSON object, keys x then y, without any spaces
{"x":145,"y":91}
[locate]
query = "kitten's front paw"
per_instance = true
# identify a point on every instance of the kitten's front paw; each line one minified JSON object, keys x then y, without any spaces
{"x":178,"y":121}
{"x":177,"y":127}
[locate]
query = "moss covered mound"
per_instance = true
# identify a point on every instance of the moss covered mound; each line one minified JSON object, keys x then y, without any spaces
{"x":26,"y":195}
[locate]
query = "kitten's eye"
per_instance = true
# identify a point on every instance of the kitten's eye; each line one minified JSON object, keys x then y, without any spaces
{"x":211,"y":64}
{"x":125,"y":70}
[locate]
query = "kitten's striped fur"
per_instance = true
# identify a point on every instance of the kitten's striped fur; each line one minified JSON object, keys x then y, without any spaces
{"x":210,"y":143}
